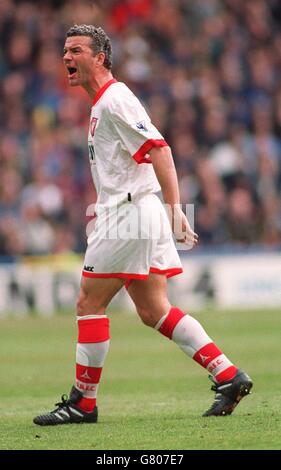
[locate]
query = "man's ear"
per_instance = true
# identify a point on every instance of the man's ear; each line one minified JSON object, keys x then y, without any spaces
{"x":100,"y":58}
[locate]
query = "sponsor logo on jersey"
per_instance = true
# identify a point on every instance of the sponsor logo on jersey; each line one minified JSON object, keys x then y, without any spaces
{"x":93,"y":125}
{"x":91,"y":153}
{"x":89,"y":268}
{"x":141,"y":126}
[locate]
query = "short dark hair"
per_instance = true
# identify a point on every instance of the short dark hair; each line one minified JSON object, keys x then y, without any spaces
{"x":100,"y":40}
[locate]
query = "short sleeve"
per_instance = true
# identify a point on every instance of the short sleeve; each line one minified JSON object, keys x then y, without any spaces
{"x":134,"y":127}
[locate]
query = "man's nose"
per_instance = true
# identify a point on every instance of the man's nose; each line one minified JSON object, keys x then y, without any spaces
{"x":67,"y":56}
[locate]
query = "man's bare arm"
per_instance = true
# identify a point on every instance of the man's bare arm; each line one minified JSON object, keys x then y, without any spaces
{"x":164,"y":167}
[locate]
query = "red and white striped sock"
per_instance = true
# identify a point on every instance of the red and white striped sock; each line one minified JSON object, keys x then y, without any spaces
{"x":191,"y":337}
{"x":92,"y":347}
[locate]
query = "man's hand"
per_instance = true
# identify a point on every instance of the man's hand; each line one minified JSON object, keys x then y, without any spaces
{"x":181,"y":228}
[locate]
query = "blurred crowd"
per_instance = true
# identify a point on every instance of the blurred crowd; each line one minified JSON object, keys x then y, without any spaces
{"x":208,"y":72}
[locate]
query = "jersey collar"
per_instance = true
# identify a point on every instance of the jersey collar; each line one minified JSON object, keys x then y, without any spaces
{"x":102,"y":90}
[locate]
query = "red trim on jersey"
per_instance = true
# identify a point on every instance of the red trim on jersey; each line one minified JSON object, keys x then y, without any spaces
{"x":168,"y":272}
{"x":94,"y":330}
{"x":117,"y":275}
{"x":139,"y":156}
{"x":102,"y":90}
{"x":171,"y":321}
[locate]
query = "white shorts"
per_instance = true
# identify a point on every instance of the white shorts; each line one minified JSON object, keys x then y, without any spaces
{"x":131,"y":241}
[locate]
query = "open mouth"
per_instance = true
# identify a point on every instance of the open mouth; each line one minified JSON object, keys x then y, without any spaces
{"x":71,"y":71}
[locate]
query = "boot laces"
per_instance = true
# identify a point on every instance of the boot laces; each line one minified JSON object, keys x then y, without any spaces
{"x":65,"y":403}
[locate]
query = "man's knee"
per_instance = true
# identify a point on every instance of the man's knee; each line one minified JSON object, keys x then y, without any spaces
{"x":88,"y":304}
{"x":146,"y":317}
{"x":80,"y":303}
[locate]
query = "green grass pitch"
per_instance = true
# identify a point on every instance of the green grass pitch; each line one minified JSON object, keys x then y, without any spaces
{"x":151,"y":395}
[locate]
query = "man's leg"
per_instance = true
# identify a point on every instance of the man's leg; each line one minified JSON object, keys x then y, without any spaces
{"x":93,"y":335}
{"x":155,"y":310}
{"x":92,"y":347}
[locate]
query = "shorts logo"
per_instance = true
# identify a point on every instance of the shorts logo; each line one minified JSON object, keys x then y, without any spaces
{"x":93,"y":124}
{"x":90,"y":269}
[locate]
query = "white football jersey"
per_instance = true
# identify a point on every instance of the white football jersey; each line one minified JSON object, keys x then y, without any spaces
{"x":120,"y":136}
